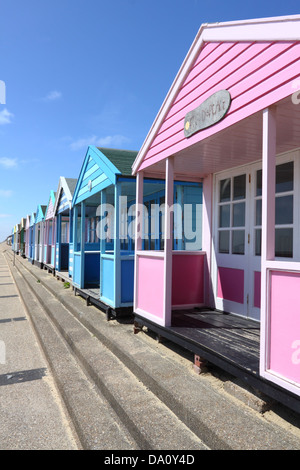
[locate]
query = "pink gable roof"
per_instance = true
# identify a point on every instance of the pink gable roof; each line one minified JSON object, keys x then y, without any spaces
{"x":256,"y":72}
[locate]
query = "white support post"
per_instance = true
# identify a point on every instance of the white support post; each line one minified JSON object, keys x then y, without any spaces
{"x":168,"y":246}
{"x":268,"y":224}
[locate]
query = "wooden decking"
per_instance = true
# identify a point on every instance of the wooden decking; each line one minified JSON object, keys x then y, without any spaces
{"x":230,"y":338}
{"x":227,"y":341}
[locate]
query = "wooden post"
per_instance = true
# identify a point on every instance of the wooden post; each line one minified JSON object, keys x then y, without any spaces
{"x":138,"y":230}
{"x":168,"y":246}
{"x":268,"y":224}
{"x":82,"y":244}
{"x":117,"y":254}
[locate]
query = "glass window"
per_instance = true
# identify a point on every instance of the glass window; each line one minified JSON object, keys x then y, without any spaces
{"x":285,"y":177}
{"x":238,"y":242}
{"x":224,"y":216}
{"x":239,"y":214}
{"x":225,"y":186}
{"x":232,"y":214}
{"x":239,"y":187}
{"x":258,"y":242}
{"x":284,"y":210}
{"x":259,"y":183}
{"x":224,"y":241}
{"x":284,"y":242}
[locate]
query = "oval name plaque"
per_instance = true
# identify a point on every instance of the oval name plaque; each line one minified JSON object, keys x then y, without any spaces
{"x":211,"y":111}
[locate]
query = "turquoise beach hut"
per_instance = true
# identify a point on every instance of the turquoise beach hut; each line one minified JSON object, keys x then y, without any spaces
{"x":103,"y":266}
{"x":38,"y":235}
{"x":64,"y":228}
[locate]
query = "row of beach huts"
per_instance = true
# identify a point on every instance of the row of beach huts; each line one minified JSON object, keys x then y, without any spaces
{"x":197,"y":234}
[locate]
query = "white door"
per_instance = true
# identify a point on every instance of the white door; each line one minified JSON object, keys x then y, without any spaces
{"x":237,"y":232}
{"x":231,"y":241}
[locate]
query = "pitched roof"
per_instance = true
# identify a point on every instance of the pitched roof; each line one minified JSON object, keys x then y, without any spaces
{"x":71,"y":182}
{"x":121,"y":159}
{"x":283,"y":28}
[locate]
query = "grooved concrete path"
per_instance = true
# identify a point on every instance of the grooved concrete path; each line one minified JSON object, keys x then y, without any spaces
{"x":122,"y":391}
{"x":31,"y":412}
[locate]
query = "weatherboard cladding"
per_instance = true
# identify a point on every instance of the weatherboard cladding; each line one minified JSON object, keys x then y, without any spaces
{"x":257,"y":74}
{"x":65,"y":193}
{"x":50,"y":208}
{"x":63,"y":202}
{"x":99,"y":170}
{"x":40,"y":214}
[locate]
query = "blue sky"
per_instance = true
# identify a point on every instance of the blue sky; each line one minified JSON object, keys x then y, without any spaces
{"x":89,"y":72}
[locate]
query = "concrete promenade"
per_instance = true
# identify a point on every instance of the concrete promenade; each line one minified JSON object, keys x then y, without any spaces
{"x":108,"y":389}
{"x":32,"y":414}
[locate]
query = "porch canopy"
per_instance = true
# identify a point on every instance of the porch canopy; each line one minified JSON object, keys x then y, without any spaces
{"x":256,"y":63}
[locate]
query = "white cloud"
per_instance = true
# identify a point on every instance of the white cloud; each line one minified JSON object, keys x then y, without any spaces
{"x":53,"y":95}
{"x":108,"y":141}
{"x":5,"y":117}
{"x":5,"y":216}
{"x":6,"y":192}
{"x":8,"y":162}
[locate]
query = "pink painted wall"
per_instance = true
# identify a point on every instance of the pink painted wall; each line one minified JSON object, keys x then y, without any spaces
{"x":150,"y":285}
{"x":231,"y":284}
{"x":256,"y":74}
{"x":284,"y":348}
{"x":187,"y":279}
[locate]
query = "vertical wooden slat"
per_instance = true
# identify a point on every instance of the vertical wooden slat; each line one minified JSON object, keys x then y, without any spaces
{"x":268,"y":224}
{"x":168,"y":247}
{"x":138,"y":239}
{"x":82,"y":244}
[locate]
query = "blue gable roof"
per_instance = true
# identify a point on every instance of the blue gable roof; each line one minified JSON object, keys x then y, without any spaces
{"x":98,"y":171}
{"x":40,"y":213}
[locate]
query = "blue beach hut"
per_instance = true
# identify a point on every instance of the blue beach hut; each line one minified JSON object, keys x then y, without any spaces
{"x":31,"y":233}
{"x":103,"y":264}
{"x":64,"y":227}
{"x":39,"y":235}
{"x":103,"y":241}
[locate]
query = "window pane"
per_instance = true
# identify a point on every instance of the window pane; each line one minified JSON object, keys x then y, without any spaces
{"x":284,"y":242}
{"x":239,"y":187}
{"x":258,"y":242}
{"x":239,"y":214}
{"x":224,"y":241}
{"x":284,"y":177}
{"x":258,"y":212}
{"x":224,"y":215}
{"x":225,"y":190}
{"x":259,"y":183}
{"x":238,"y":242}
{"x":284,"y":210}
